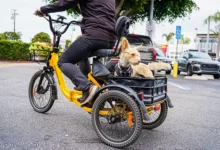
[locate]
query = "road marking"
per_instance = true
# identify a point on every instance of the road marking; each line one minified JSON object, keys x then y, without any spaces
{"x":180,"y":86}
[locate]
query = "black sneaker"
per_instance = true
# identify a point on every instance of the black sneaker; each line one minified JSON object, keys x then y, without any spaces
{"x":88,"y":95}
{"x":85,"y":95}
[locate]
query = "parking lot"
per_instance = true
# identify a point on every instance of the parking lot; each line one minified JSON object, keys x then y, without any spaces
{"x":193,"y":123}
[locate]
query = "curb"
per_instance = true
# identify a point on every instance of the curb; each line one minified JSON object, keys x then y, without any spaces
{"x":196,"y":78}
{"x":9,"y":61}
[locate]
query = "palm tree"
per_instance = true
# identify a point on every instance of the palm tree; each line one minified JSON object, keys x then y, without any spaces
{"x":184,"y":41}
{"x":215,"y":33}
{"x":168,"y":37}
{"x":214,"y":18}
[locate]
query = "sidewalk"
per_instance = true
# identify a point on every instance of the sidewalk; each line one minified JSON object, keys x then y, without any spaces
{"x":16,"y":63}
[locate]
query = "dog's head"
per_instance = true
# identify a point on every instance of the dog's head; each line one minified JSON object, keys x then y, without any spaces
{"x":128,"y":54}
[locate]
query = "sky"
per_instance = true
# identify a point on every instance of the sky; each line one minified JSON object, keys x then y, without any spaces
{"x":29,"y":25}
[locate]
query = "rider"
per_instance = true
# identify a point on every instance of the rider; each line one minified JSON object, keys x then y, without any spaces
{"x":98,"y":32}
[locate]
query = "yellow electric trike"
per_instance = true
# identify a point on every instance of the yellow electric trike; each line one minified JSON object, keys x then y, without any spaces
{"x":121,"y":107}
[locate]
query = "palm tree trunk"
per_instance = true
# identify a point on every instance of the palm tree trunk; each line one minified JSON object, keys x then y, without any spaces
{"x":167,"y":53}
{"x":182,"y":48}
{"x":207,"y":42}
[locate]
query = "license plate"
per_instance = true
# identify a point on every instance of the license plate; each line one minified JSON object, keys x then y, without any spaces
{"x":146,"y":56}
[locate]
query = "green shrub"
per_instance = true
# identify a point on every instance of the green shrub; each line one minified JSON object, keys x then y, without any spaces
{"x":13,"y":36}
{"x":14,"y":50}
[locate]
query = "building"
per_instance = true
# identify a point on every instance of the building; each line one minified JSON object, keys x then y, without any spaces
{"x":201,"y":40}
{"x":198,"y":42}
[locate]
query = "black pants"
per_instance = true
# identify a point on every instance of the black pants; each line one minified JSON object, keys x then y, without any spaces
{"x":78,"y":52}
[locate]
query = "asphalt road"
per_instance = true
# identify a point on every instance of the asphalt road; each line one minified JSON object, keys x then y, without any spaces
{"x":193,"y":124}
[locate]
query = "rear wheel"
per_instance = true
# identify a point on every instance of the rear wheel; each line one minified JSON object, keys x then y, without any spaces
{"x":189,"y":70}
{"x":216,"y":76}
{"x":116,"y":119}
{"x":157,"y":116}
{"x":40,"y":100}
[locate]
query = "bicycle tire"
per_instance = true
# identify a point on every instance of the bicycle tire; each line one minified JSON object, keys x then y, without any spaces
{"x":137,"y":118}
{"x":31,"y":96}
{"x":161,"y":118}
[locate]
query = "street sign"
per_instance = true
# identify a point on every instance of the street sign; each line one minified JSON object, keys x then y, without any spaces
{"x":178,"y":32}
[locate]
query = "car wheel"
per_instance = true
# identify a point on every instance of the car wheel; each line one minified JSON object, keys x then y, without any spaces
{"x":153,"y":72}
{"x":168,"y":72}
{"x":189,"y":70}
{"x":216,"y":76}
{"x":178,"y":72}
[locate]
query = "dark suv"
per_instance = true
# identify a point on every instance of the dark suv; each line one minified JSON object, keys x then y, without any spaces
{"x":194,"y":62}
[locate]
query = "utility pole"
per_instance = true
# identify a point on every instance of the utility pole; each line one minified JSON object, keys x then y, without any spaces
{"x":196,"y":45}
{"x":150,"y":31}
{"x":13,"y":17}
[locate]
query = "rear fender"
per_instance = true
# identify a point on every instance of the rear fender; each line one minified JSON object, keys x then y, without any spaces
{"x":128,"y":91}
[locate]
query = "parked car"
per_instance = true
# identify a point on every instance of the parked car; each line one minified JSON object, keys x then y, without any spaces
{"x":161,"y":57}
{"x":194,"y":62}
{"x":148,"y":52}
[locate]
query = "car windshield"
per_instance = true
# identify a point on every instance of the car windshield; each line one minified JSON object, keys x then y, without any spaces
{"x":138,"y":40}
{"x":199,"y":55}
{"x":160,"y":52}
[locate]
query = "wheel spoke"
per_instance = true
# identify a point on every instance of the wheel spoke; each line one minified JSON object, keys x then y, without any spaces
{"x":119,"y":129}
{"x":42,"y":97}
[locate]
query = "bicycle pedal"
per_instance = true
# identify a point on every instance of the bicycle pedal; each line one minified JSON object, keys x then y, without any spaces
{"x":88,"y":105}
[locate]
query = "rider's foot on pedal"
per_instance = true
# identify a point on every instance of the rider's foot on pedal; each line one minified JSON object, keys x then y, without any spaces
{"x":89,"y":94}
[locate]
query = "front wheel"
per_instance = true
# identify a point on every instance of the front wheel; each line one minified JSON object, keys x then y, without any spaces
{"x":157,"y":115}
{"x":41,"y":99}
{"x":216,"y":76}
{"x":168,"y":72}
{"x":116,"y":119}
{"x":189,"y":70}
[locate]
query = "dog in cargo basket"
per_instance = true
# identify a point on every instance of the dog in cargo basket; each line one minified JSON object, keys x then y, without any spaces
{"x":130,"y":65}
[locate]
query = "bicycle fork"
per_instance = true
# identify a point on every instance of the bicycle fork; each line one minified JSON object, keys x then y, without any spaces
{"x":48,"y":74}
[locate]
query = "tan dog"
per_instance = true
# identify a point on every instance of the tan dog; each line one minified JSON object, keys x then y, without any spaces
{"x":131,"y":57}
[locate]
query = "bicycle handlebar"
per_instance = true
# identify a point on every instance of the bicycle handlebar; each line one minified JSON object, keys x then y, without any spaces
{"x":50,"y":20}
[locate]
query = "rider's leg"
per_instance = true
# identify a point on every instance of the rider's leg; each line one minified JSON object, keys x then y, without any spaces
{"x":85,"y":67}
{"x":78,"y":51}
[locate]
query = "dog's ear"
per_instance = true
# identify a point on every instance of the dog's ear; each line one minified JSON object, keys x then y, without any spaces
{"x":139,"y":47}
{"x":124,"y":44}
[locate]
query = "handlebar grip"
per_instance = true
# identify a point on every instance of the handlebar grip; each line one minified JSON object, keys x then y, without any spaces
{"x":39,"y":13}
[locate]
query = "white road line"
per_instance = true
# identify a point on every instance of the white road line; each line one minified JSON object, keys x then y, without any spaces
{"x":180,"y":86}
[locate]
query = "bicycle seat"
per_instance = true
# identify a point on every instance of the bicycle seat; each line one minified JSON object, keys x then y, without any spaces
{"x":103,"y":53}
